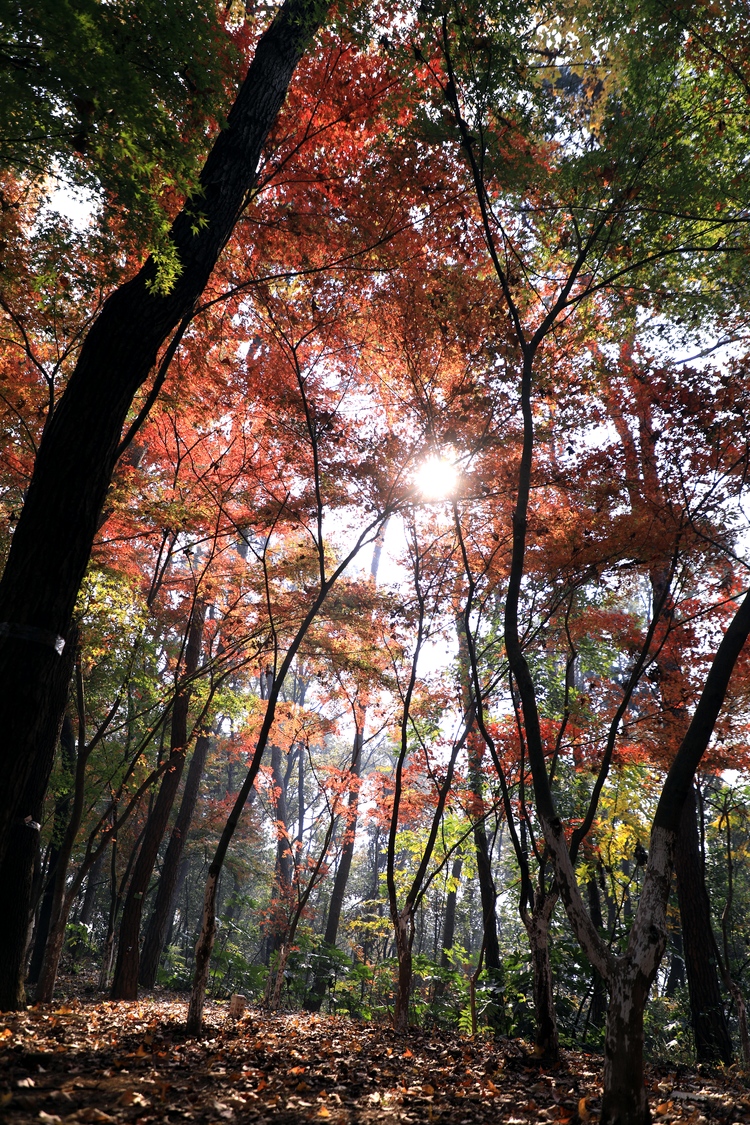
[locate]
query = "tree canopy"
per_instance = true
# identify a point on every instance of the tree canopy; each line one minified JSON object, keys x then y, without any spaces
{"x":327,"y":255}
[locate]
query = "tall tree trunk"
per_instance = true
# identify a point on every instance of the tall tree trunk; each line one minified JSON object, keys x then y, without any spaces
{"x":338,"y":893}
{"x":537,"y":921}
{"x":475,"y":748}
{"x":707,"y":1016}
{"x":52,"y":541}
{"x":89,"y":895}
{"x":166,"y":891}
{"x":17,"y":868}
{"x":16,"y":880}
{"x":403,"y":925}
{"x":125,"y":983}
{"x":625,"y":1101}
{"x":449,"y":921}
{"x":341,"y":879}
{"x":488,"y":896}
{"x":710,"y":1028}
{"x":60,"y":824}
{"x":284,"y":867}
{"x":598,"y":1007}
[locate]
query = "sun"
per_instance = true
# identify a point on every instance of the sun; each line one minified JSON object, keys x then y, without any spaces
{"x":436,"y":479}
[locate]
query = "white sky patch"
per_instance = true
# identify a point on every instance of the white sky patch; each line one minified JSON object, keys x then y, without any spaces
{"x":73,"y":204}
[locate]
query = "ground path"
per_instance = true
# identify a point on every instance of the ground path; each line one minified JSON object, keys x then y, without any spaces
{"x":132,"y":1064}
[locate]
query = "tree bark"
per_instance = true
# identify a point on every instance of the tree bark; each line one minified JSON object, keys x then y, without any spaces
{"x":708,"y":1019}
{"x":536,"y":921}
{"x":341,"y":879}
{"x":16,"y":880}
{"x":707,"y":1016}
{"x":125,"y":983}
{"x":403,"y":926}
{"x":52,"y":541}
{"x":624,"y":1101}
{"x":284,"y":869}
{"x":630,"y":975}
{"x":62,"y":817}
{"x":336,"y":904}
{"x":166,"y":891}
{"x":17,"y":868}
{"x":449,"y":921}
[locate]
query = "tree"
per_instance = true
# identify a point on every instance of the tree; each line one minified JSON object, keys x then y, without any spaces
{"x":81,"y":444}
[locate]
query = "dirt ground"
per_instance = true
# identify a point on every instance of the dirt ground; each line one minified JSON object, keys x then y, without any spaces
{"x":133,"y":1063}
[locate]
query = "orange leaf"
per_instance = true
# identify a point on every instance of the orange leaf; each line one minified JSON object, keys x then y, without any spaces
{"x":408,"y":1054}
{"x":583,"y":1110}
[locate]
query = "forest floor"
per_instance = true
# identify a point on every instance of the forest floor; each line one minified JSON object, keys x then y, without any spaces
{"x":133,"y":1063}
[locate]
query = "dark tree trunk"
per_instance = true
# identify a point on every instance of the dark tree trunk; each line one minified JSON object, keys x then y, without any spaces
{"x":89,"y":895}
{"x":125,"y":983}
{"x":62,"y":816}
{"x":709,"y":1023}
{"x":17,"y":868}
{"x":449,"y":921}
{"x":404,"y":934}
{"x":16,"y":881}
{"x":52,"y":541}
{"x":284,"y":869}
{"x":488,"y":896}
{"x":598,"y":1006}
{"x":625,"y":1101}
{"x":537,"y":922}
{"x":475,"y":749}
{"x":167,"y":889}
{"x":341,"y":879}
{"x":676,"y":964}
{"x":336,"y":904}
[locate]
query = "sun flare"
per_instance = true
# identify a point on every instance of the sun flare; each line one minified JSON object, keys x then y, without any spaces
{"x":436,"y":479}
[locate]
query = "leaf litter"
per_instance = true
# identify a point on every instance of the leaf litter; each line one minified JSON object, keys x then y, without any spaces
{"x":132,"y":1064}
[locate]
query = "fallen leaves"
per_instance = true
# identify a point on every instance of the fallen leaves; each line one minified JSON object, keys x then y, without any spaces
{"x":133,"y":1064}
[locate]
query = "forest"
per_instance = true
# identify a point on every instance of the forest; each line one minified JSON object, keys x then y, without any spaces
{"x":374,"y":533}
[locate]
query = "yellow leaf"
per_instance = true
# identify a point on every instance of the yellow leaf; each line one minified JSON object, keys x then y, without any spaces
{"x":583,"y":1110}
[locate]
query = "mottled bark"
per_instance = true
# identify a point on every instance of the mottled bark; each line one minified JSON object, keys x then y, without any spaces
{"x":404,"y":933}
{"x":537,"y":923}
{"x":625,"y":1101}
